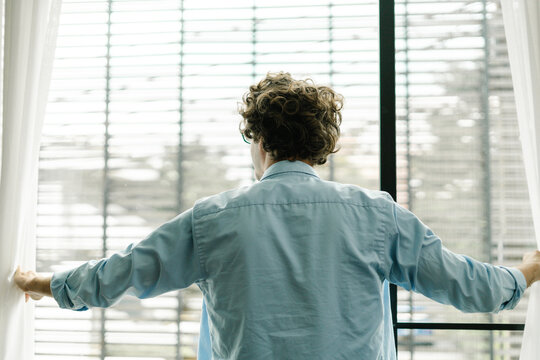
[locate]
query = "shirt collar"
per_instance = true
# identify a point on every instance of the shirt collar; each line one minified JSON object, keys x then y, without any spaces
{"x":286,"y":166}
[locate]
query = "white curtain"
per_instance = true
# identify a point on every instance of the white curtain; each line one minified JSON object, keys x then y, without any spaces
{"x":522,"y":27}
{"x":28,"y":52}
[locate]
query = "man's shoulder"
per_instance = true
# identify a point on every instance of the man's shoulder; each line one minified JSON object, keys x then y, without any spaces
{"x":269,"y":192}
{"x":219,"y":202}
{"x":361,"y":195}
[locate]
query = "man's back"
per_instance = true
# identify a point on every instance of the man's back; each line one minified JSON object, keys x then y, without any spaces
{"x":292,"y":267}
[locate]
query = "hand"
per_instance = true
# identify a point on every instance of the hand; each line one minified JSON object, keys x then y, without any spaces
{"x":27,"y":281}
{"x":531,"y":267}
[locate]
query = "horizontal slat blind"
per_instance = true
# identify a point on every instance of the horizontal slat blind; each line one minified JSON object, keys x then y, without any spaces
{"x":142,"y":121}
{"x":459,"y":159}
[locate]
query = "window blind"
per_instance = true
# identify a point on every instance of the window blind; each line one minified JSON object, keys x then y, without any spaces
{"x":459,"y":157}
{"x":142,"y":121}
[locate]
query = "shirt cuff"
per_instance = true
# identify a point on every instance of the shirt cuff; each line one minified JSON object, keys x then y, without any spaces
{"x":59,"y":290}
{"x":520,"y":287}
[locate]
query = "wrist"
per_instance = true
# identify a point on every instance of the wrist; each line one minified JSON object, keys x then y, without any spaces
{"x":40,"y":285}
{"x":45,"y":282}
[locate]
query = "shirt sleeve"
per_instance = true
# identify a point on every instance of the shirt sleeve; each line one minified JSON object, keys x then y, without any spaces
{"x":167,"y":259}
{"x":415,"y":259}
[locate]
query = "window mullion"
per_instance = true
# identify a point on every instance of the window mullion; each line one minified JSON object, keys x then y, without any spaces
{"x":106,"y":179}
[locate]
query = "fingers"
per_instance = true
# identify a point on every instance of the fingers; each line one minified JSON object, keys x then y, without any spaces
{"x":16,"y":274}
{"x":22,"y":280}
{"x":28,"y":296}
{"x":33,"y":296}
{"x":36,"y":297}
{"x":18,"y":278}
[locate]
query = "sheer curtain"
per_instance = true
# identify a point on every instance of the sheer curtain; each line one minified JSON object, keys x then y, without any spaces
{"x":522,"y":27}
{"x":28,"y":52}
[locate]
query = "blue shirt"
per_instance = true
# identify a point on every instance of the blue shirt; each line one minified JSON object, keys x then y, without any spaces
{"x":293,"y":267}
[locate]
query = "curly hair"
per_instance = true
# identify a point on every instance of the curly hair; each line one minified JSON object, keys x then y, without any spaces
{"x":296,"y":119}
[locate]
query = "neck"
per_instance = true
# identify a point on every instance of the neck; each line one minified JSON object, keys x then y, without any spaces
{"x":269,"y":162}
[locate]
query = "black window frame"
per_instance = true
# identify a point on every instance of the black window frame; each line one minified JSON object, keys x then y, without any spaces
{"x":388,"y":175}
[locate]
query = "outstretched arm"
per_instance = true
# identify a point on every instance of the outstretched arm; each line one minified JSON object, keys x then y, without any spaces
{"x":165,"y":260}
{"x":415,"y":259}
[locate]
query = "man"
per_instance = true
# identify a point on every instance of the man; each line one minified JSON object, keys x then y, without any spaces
{"x":292,"y":267}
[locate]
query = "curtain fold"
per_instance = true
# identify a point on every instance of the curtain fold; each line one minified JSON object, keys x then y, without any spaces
{"x":29,"y":41}
{"x":522,"y":28}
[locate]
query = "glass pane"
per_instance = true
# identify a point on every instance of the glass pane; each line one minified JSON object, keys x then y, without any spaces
{"x":142,"y":121}
{"x":457,"y":345}
{"x":459,"y":156}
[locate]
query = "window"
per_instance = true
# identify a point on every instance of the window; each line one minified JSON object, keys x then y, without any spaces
{"x":459,"y":162}
{"x":142,"y":121}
